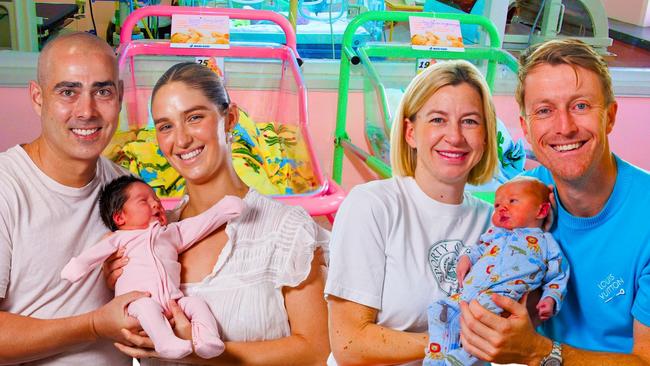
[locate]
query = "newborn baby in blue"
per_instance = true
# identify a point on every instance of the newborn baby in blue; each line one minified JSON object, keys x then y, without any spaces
{"x":513,"y":257}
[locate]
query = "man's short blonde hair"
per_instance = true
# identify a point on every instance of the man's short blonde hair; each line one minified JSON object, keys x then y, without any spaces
{"x":403,"y":158}
{"x":572,"y":52}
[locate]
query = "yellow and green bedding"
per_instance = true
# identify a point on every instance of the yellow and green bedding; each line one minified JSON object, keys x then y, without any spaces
{"x":268,"y":156}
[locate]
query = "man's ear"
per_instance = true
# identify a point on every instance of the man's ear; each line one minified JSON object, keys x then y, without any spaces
{"x":611,"y":117}
{"x":409,"y":133}
{"x":120,"y":90}
{"x":544,"y":208}
{"x":524,"y":128}
{"x":36,"y":96}
{"x":118,"y":218}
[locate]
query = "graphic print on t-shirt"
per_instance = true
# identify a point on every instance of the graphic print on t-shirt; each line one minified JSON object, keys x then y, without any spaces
{"x":442,"y":259}
{"x":611,"y":287}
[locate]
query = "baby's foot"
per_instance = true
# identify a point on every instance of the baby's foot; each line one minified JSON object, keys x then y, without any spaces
{"x":206,"y":341}
{"x":174,"y":349}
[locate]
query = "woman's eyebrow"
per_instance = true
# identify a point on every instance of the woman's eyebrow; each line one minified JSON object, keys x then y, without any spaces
{"x":435,"y":111}
{"x":195,"y":108}
{"x":187,"y":111}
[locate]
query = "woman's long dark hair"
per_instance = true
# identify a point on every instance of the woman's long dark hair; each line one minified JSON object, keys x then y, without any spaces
{"x":199,"y":77}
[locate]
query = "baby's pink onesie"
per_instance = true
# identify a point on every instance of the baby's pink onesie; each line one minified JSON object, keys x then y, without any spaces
{"x":153,"y":267}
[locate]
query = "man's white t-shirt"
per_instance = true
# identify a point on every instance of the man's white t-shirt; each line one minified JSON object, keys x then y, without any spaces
{"x":42,"y":225}
{"x":393,"y":248}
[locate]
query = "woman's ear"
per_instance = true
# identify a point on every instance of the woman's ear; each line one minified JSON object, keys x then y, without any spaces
{"x":409,"y":133}
{"x":232,"y":116}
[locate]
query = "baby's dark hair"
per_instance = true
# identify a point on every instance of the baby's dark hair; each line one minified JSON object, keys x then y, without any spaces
{"x":112,"y":198}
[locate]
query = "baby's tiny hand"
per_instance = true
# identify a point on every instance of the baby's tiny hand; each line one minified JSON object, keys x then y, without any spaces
{"x":546,"y":308}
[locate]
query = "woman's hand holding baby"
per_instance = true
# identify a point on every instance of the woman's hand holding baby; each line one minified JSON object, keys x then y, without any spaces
{"x":462,"y":268}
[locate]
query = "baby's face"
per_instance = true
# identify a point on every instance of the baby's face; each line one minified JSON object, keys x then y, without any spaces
{"x":142,"y":207}
{"x":516,"y":205}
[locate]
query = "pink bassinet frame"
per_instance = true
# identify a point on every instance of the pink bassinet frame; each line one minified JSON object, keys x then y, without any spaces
{"x":323,"y":201}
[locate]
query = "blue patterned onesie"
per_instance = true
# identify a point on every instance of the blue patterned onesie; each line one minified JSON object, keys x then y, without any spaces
{"x":505,"y":262}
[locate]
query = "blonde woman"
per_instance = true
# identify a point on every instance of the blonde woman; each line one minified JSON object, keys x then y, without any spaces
{"x":395,"y":242}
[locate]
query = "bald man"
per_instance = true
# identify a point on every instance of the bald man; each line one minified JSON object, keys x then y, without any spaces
{"x":48,"y":213}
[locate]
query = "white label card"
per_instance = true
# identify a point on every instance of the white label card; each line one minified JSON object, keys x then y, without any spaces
{"x":200,"y":31}
{"x":436,"y":34}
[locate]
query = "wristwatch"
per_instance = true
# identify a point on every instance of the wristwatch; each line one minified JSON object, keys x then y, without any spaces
{"x":555,"y":357}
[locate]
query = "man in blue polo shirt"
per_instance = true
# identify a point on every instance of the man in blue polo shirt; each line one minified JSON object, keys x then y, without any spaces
{"x":567,"y":111}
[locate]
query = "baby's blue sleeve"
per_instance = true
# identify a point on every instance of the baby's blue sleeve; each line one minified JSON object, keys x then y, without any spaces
{"x":557,"y":273}
{"x":476,"y":251}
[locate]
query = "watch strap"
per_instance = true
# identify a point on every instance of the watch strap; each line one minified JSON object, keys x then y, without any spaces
{"x":555,"y":357}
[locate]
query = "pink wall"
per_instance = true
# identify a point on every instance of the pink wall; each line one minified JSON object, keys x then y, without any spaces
{"x":634,"y":11}
{"x":19,"y":124}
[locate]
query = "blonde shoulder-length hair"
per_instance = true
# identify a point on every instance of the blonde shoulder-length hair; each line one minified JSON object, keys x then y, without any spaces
{"x":403,"y":158}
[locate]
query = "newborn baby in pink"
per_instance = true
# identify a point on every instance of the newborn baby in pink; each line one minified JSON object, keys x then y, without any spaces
{"x":152,"y":246}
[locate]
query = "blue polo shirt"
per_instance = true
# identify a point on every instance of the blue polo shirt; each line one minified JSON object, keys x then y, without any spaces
{"x":609,"y":255}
